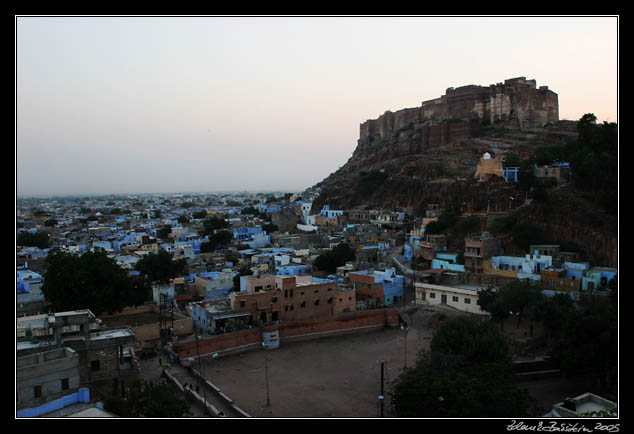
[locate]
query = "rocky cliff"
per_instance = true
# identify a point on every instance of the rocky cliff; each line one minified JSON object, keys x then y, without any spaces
{"x":428,"y":155}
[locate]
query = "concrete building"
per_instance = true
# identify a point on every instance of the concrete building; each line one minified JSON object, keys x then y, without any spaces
{"x":102,"y":361}
{"x":461,"y":297}
{"x":479,"y":248}
{"x":45,"y":376}
{"x":214,"y":284}
{"x":585,"y":405}
{"x":383,"y":288}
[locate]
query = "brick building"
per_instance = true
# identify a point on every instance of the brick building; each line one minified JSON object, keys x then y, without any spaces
{"x":479,"y":248}
{"x":281,"y":298}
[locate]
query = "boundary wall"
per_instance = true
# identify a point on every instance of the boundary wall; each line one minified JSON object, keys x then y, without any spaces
{"x":288,"y":331}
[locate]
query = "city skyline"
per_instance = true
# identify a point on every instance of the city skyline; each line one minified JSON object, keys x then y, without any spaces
{"x":131,"y":105}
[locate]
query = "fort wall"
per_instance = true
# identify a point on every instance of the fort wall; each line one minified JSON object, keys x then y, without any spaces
{"x":516,"y":103}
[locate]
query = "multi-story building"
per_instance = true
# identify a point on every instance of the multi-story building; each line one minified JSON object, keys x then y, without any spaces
{"x":214,"y":283}
{"x":479,"y":248}
{"x":102,"y":363}
{"x":45,"y":376}
{"x":383,"y":288}
{"x":279,"y":298}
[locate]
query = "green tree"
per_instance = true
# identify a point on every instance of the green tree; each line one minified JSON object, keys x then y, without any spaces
{"x":553,"y":312}
{"x":160,"y":267}
{"x":369,"y":182}
{"x":588,"y":343}
{"x":472,"y":339}
{"x":467,"y":373}
{"x":38,"y":239}
{"x":214,"y":223}
{"x":338,"y":256}
{"x":148,"y":400}
{"x":199,"y":214}
{"x":512,"y":160}
{"x":527,"y":233}
{"x":91,"y":281}
{"x":490,"y":301}
{"x":519,"y":295}
{"x":164,"y":231}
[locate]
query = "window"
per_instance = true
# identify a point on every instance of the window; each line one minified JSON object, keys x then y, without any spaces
{"x":432,"y":295}
{"x":316,"y":291}
{"x":330,"y":300}
{"x":95,"y":365}
{"x":64,"y":383}
{"x":454,"y":298}
{"x":242,"y":303}
{"x":302,"y":304}
{"x":467,"y":300}
{"x":273,"y":299}
{"x":317,"y":302}
{"x":286,"y":293}
{"x":37,"y":391}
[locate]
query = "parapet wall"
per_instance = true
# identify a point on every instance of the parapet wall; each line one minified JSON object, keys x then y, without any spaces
{"x":289,"y":331}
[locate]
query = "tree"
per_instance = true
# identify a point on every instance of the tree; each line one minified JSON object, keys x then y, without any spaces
{"x":163,"y":232}
{"x":91,"y":281}
{"x":466,"y":373}
{"x":369,"y":182}
{"x":160,"y":267}
{"x":148,"y":400}
{"x":588,"y":343}
{"x":519,"y":295}
{"x":38,"y":239}
{"x":217,"y":239}
{"x":213,"y":223}
{"x":469,"y":338}
{"x":338,"y":256}
{"x":525,"y":234}
{"x":553,"y":312}
{"x":490,"y":301}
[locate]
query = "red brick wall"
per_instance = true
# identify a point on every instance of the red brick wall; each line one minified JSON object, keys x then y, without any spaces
{"x":229,"y":343}
{"x":370,"y":320}
{"x":291,"y":331}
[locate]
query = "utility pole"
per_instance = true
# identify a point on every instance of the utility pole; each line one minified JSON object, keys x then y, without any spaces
{"x":266,"y":362}
{"x":200,"y":366}
{"x":381,"y":396}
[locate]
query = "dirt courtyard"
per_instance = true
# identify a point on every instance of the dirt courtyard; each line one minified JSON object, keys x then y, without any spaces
{"x":340,"y":377}
{"x":332,"y":377}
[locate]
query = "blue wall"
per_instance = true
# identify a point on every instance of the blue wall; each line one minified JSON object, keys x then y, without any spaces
{"x":82,"y":395}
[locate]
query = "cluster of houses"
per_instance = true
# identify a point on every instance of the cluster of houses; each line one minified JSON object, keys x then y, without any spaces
{"x":453,"y":279}
{"x":264,"y":275}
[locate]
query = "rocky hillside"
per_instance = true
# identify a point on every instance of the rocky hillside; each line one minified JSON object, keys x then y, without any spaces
{"x":407,"y":170}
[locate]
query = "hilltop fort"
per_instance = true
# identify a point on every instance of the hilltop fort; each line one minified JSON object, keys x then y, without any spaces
{"x":517,"y":103}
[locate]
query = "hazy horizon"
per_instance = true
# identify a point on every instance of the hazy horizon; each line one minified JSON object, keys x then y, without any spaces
{"x":134,"y":105}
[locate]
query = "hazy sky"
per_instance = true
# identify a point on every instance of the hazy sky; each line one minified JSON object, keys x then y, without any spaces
{"x":195,"y":104}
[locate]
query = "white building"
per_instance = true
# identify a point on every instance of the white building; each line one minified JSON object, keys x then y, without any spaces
{"x":463,"y":297}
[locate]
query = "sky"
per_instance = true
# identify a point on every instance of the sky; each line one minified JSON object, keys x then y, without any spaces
{"x":153,"y":104}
